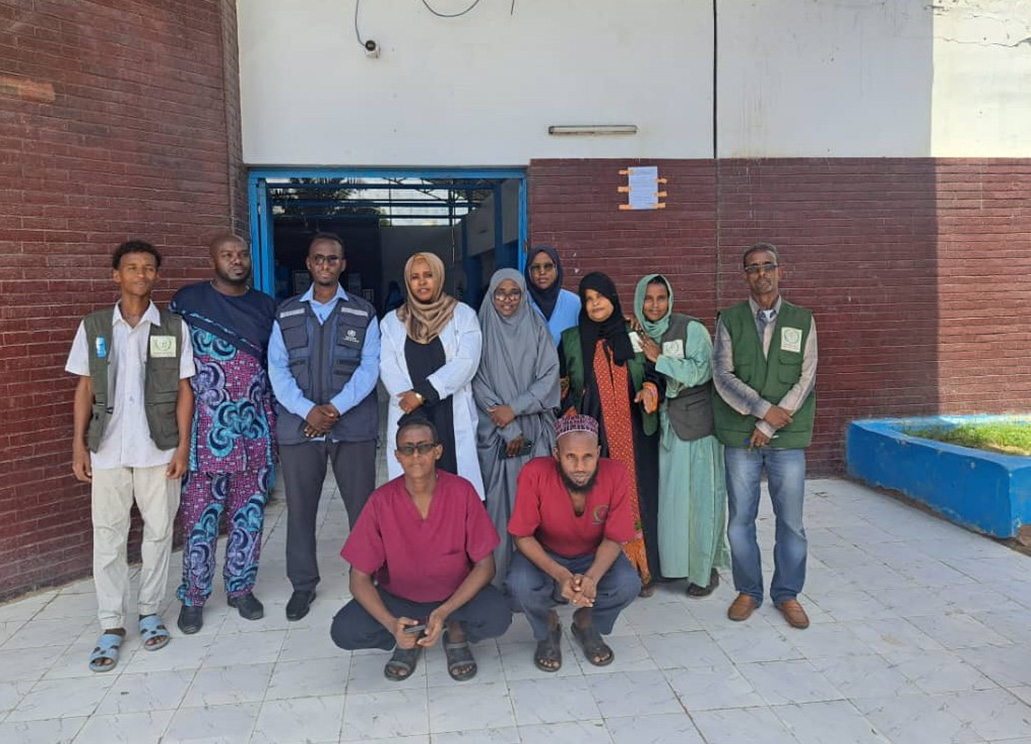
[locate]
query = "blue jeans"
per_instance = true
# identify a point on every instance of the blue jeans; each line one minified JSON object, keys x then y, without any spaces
{"x":785,"y":471}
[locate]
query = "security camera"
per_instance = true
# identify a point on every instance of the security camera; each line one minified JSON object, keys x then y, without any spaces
{"x":371,"y":48}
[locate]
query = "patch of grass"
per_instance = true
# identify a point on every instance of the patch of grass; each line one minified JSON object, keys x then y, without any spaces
{"x":1010,"y":437}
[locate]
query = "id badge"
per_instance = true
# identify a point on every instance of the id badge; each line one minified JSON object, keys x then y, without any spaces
{"x":791,"y":339}
{"x":635,"y":341}
{"x":162,"y":347}
{"x":674,"y":349}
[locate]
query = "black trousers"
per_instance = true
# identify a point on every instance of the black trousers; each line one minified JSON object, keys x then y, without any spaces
{"x":304,"y":470}
{"x":487,"y":615}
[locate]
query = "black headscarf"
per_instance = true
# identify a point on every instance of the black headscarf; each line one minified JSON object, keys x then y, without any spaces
{"x":545,"y":299}
{"x":612,"y":330}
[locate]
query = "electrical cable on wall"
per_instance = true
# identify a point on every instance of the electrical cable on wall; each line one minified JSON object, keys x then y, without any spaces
{"x":371,"y":47}
{"x":435,"y":12}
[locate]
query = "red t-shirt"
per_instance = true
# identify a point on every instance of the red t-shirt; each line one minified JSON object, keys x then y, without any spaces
{"x":421,"y":560}
{"x":544,"y":509}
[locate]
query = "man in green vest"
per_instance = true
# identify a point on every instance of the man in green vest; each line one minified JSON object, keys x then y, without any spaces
{"x":132,"y":414}
{"x":764,"y":372}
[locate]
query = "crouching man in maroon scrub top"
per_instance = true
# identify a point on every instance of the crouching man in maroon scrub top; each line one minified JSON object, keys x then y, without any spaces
{"x":422,"y":558}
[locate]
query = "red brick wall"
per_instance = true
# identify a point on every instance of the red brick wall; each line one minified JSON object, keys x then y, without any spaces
{"x":915,"y":268}
{"x":115,"y":123}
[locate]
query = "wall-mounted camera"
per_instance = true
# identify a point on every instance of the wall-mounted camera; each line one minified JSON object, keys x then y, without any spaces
{"x":371,"y":48}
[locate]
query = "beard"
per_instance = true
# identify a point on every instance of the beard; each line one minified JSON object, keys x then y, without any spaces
{"x":572,"y":486}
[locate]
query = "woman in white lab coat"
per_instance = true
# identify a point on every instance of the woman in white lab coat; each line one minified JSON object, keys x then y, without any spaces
{"x":430,"y":353}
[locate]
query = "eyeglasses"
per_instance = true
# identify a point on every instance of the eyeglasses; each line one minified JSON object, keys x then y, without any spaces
{"x":543,"y":268}
{"x":318,"y":259}
{"x":423,"y":448}
{"x":503,"y":296}
{"x":764,"y":267}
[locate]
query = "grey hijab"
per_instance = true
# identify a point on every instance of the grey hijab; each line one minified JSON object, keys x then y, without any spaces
{"x":518,"y":366}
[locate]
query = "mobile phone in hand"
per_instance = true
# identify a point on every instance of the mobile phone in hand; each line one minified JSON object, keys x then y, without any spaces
{"x":418,"y":629}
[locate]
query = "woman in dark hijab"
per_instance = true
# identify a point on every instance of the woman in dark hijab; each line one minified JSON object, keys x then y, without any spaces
{"x":609,"y":378}
{"x":559,"y":307}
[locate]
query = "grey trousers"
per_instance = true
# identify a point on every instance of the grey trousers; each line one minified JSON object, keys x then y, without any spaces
{"x":304,"y":470}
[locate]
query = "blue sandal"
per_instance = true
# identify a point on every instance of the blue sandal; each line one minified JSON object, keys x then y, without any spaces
{"x":106,"y":651}
{"x":154,"y":633}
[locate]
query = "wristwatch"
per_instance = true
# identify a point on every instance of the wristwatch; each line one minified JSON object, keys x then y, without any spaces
{"x":419,"y":396}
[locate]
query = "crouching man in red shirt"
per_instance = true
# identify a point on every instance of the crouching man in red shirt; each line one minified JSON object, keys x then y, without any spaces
{"x":571,"y":516}
{"x":422,"y":558}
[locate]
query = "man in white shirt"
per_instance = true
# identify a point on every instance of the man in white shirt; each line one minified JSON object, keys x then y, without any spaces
{"x":132,"y":415}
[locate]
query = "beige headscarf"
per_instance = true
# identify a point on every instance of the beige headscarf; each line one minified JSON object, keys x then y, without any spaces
{"x":425,"y":320}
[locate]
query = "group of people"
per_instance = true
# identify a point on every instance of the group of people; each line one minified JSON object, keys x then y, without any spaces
{"x":547,"y":449}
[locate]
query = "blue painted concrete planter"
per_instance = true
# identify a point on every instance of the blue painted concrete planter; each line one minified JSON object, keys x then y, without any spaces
{"x":983,"y":491}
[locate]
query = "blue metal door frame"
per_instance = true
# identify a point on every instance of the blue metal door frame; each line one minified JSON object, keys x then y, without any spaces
{"x":262,"y":246}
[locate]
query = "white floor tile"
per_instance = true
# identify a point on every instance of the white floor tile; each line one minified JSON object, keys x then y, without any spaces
{"x":684,"y":650}
{"x":742,"y":726}
{"x":51,"y":731}
{"x":783,"y":682}
{"x":225,"y":724}
{"x":151,"y":691}
{"x":743,"y":644}
{"x":709,"y":688}
{"x":224,"y":685}
{"x":623,"y":694}
{"x":469,"y":706}
{"x":993,"y":714}
{"x":552,"y":700}
{"x":145,"y":727}
{"x":665,"y":728}
{"x":309,"y":678}
{"x":942,"y":671}
{"x":62,"y":698}
{"x":822,"y":723}
{"x":915,"y":719}
{"x":299,"y":721}
{"x":377,"y":715}
{"x":579,"y":732}
{"x":865,"y":676}
{"x":508,"y":735}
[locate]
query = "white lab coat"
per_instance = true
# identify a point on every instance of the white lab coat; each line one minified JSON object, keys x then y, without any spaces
{"x":461,"y":339}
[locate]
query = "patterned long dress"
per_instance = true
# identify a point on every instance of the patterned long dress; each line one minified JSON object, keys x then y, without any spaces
{"x":232,"y":467}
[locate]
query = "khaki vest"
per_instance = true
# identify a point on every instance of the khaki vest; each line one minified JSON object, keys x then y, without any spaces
{"x":161,"y":383}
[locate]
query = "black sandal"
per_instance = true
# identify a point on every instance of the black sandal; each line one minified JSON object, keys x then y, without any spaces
{"x":459,"y":655}
{"x":549,"y":651}
{"x":402,"y":664}
{"x":693,"y":590}
{"x":592,"y":644}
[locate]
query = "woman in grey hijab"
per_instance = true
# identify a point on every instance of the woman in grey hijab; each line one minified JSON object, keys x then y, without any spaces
{"x":516,"y":390}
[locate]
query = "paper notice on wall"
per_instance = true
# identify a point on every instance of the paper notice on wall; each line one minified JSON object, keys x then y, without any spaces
{"x":642,"y":188}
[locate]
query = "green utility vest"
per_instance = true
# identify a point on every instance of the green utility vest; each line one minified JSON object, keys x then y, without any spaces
{"x":574,"y":360}
{"x":772,"y":376}
{"x":161,"y":383}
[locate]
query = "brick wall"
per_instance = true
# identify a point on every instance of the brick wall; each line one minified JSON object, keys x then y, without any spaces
{"x":115,"y":122}
{"x":915,"y":268}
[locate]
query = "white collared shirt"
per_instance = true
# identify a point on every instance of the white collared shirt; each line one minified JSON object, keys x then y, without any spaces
{"x":127,"y":442}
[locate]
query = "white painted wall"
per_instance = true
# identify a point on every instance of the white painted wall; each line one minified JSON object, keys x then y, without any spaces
{"x":477,"y":90}
{"x":835,"y":78}
{"x":796,"y":78}
{"x":982,"y":79}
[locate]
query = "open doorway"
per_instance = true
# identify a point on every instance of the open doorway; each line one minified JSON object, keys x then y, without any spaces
{"x":475,"y":221}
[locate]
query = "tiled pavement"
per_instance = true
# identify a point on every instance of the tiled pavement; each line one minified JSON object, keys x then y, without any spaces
{"x":920,"y":634}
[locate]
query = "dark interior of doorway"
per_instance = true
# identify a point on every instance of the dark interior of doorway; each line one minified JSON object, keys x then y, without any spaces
{"x":383,"y":221}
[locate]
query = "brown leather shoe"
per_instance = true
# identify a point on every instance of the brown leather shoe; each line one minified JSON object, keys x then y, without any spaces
{"x":742,"y":608}
{"x":794,"y":613}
